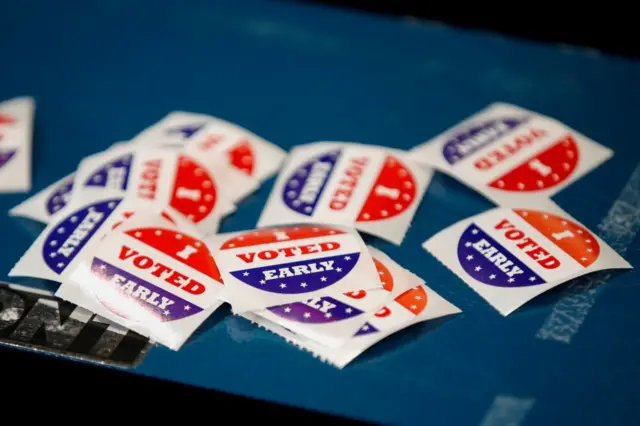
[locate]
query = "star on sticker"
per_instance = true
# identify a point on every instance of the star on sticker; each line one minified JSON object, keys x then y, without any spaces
{"x":187,"y":307}
{"x":347,"y":258}
{"x":589,"y":250}
{"x":467,"y":244}
{"x":532,"y":279}
{"x":60,"y":265}
{"x":365,"y":327}
{"x":339,"y":269}
{"x":287,"y":309}
{"x":111,"y":205}
{"x":158,"y":232}
{"x":53,"y":243}
{"x":478,"y":268}
{"x":323,"y":279}
{"x":262,"y":281}
{"x":414,"y":307}
{"x":138,"y":234}
{"x":245,"y":274}
{"x":511,"y":280}
{"x":178,"y":236}
{"x":327,"y":315}
{"x":380,"y":273}
{"x":474,"y":231}
{"x":103,"y":267}
{"x":307,"y":314}
{"x":61,"y":230}
{"x":418,"y":297}
{"x":348,"y":310}
{"x":470,"y":257}
{"x":283,"y":285}
{"x":166,"y":313}
{"x":73,"y":219}
{"x":492,"y":276}
{"x":303,"y":285}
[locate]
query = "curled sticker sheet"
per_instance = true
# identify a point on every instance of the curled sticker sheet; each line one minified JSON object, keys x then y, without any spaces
{"x":16,"y":139}
{"x":416,"y":305}
{"x":205,"y":136}
{"x":149,"y":276}
{"x":271,"y":267}
{"x":509,"y":154}
{"x":333,"y":320}
{"x":375,"y":189}
{"x":511,"y":255}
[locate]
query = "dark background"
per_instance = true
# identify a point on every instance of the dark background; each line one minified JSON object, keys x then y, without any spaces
{"x":38,"y":380}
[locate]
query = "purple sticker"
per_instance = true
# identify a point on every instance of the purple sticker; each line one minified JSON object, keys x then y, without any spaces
{"x":318,"y":310}
{"x":114,"y":174}
{"x":5,"y":156}
{"x":478,"y":136}
{"x":299,"y":277}
{"x":161,"y":304}
{"x":186,"y":131}
{"x":366,"y":329}
{"x":489,"y":262}
{"x":304,"y":187}
{"x":68,"y":238}
{"x":60,"y":196}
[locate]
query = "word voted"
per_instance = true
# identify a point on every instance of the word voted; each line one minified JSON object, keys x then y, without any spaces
{"x":348,"y":183}
{"x":149,"y":179}
{"x":529,"y":246}
{"x":160,"y":270}
{"x":291,"y":251}
{"x":509,"y":149}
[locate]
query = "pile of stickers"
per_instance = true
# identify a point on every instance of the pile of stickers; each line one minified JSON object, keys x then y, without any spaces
{"x":132,"y":233}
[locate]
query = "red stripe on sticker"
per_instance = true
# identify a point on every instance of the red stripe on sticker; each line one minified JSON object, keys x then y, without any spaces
{"x":573,"y":239}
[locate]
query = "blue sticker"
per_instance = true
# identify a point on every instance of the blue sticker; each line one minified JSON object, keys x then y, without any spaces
{"x":60,"y":196}
{"x":304,"y":187}
{"x":299,"y":277}
{"x":114,"y":174}
{"x":478,"y":136}
{"x":489,"y":262}
{"x":318,"y":310}
{"x":67,"y":239}
{"x":157,"y":302}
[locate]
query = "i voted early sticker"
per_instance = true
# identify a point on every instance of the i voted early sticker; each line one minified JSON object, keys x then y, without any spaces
{"x":165,"y":177}
{"x":415,"y":305}
{"x":270,"y":267}
{"x":332,"y":320}
{"x":148,"y":276}
{"x":205,"y":136}
{"x":374,"y":189}
{"x":509,"y":154}
{"x":509,"y":256}
{"x":46,"y":203}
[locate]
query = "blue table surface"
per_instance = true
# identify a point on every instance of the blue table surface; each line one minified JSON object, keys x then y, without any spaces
{"x":101,"y":71}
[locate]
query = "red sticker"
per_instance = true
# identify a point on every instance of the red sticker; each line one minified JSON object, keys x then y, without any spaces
{"x":392,"y":193}
{"x":194,"y":190}
{"x":573,"y":239}
{"x":545,"y":170}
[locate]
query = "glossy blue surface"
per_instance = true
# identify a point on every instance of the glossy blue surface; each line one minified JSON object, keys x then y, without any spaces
{"x":101,"y":71}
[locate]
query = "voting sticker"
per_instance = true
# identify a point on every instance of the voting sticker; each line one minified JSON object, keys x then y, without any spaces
{"x":16,"y":134}
{"x":415,"y":305}
{"x":333,"y":320}
{"x":244,"y":150}
{"x":510,"y":256}
{"x":46,"y":203}
{"x":509,"y":154}
{"x":270,"y":267}
{"x":149,"y":276}
{"x":162,"y":176}
{"x":374,"y":189}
